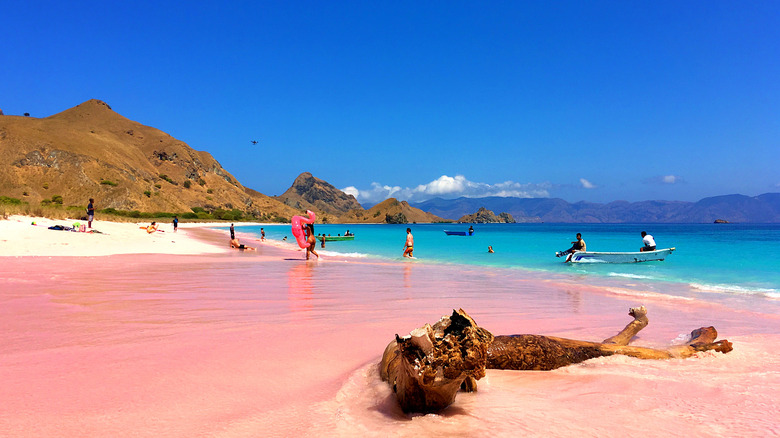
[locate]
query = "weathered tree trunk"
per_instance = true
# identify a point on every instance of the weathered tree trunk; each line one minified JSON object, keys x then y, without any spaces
{"x":427,"y":368}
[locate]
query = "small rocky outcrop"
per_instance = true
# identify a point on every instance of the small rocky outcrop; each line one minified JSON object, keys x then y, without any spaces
{"x":485,"y":216}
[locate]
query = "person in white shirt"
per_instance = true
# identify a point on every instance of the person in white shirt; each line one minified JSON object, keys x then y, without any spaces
{"x":648,"y":241}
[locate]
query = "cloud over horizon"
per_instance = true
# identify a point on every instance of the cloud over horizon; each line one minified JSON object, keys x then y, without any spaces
{"x":665,"y":179}
{"x":587,"y":184}
{"x":449,"y":187}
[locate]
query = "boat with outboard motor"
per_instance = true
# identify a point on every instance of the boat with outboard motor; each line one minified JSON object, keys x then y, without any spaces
{"x":618,"y":257}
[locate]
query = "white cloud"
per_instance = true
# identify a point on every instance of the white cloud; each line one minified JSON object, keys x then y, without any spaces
{"x":351,"y":191}
{"x":664,"y":179}
{"x":587,"y":184}
{"x":450,"y":187}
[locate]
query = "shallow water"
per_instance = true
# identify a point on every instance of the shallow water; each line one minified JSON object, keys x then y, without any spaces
{"x":266,"y":344}
{"x":733,"y":261}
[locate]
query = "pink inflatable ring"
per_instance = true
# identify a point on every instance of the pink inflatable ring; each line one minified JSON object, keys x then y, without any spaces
{"x":297,"y":227}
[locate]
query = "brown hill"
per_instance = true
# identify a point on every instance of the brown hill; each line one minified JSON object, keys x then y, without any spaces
{"x":390,"y":211}
{"x":90,"y":151}
{"x":310,"y":193}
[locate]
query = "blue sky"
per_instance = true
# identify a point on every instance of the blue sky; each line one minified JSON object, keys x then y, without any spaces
{"x":594,"y":101}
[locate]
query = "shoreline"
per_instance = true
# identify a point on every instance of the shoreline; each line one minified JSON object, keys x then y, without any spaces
{"x":18,"y":238}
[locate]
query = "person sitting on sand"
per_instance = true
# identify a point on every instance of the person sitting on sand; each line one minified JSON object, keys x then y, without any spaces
{"x":151,"y":228}
{"x":234,"y":243}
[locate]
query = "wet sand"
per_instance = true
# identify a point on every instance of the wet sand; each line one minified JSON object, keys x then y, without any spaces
{"x":263,"y":343}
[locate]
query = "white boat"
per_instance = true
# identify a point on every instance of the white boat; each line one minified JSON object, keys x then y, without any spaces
{"x":619,"y":257}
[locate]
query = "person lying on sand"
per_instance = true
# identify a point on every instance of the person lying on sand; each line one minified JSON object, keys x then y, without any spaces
{"x":151,"y":228}
{"x":234,"y":243}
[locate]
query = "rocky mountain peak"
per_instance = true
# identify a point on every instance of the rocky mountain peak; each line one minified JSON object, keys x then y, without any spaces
{"x":312,"y":193}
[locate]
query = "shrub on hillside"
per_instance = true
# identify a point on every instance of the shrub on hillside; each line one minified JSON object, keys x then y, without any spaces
{"x":398,"y":218}
{"x":106,"y":182}
{"x":167,"y":178}
{"x":10,"y":201}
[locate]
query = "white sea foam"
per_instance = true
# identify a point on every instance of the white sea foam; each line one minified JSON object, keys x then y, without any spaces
{"x":645,"y":293}
{"x":736,"y":290}
{"x":343,"y":254}
{"x":634,"y":276}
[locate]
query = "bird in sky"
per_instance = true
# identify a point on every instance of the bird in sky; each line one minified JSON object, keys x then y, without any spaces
{"x":254,"y":141}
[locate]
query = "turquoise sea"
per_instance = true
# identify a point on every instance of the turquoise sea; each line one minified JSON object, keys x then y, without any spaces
{"x":734,"y":262}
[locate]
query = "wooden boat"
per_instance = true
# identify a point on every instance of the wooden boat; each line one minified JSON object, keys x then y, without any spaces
{"x":619,"y":257}
{"x":457,"y":233}
{"x":336,"y":238}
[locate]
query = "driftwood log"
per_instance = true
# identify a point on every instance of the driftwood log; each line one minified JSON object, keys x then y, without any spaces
{"x":427,"y":368}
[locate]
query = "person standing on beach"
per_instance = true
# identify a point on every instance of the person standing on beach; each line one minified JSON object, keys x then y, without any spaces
{"x":175,"y":224}
{"x":90,"y":213}
{"x":232,"y":232}
{"x":409,"y":245}
{"x":648,"y":241}
{"x":262,"y":234}
{"x":311,"y":240}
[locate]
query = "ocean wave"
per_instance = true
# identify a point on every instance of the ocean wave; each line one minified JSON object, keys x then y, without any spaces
{"x":634,"y":276}
{"x":645,"y":294}
{"x":343,"y":254}
{"x":736,"y":290}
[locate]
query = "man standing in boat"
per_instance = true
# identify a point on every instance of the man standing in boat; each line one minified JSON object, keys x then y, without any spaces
{"x":648,"y":241}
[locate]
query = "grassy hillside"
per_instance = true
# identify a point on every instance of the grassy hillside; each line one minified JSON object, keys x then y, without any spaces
{"x":90,"y":151}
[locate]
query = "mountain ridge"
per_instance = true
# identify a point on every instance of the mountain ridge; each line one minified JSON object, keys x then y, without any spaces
{"x":734,"y":208}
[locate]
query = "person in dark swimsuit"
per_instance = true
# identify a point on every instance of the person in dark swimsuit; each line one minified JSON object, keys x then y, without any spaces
{"x":234,"y":243}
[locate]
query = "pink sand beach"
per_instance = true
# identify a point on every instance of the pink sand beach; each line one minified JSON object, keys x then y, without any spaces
{"x":245,"y":344}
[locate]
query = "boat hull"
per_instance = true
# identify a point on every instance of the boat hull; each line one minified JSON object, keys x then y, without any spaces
{"x":335,"y":238}
{"x":457,"y":233}
{"x":620,"y":257}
